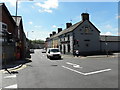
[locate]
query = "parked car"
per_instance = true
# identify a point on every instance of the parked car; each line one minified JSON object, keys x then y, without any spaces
{"x":31,"y":50}
{"x":53,"y":53}
{"x":43,"y":51}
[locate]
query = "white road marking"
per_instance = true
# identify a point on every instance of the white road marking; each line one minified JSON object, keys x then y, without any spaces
{"x":74,"y":65}
{"x":95,"y":72}
{"x":12,"y":86}
{"x":73,"y":70}
{"x":85,"y":74}
{"x":12,"y":76}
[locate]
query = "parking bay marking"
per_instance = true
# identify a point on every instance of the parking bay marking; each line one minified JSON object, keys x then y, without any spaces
{"x":74,"y":65}
{"x":12,"y":76}
{"x":12,"y":86}
{"x":85,"y":74}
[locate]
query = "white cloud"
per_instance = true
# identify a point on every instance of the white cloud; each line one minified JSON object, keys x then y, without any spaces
{"x":45,"y":10}
{"x":48,"y":5}
{"x":117,"y":16}
{"x":107,"y":33}
{"x":38,"y":34}
{"x":110,"y":28}
{"x":30,"y":22}
{"x":37,"y":26}
{"x":54,"y":26}
{"x":12,"y":2}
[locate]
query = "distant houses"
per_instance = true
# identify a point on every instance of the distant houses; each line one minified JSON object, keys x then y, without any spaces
{"x":12,"y":36}
{"x":82,"y":36}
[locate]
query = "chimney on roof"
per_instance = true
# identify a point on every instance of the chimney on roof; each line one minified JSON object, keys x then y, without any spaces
{"x":85,"y":16}
{"x":68,"y":25}
{"x":50,"y":35}
{"x":47,"y":38}
{"x":53,"y":32}
{"x":59,"y":30}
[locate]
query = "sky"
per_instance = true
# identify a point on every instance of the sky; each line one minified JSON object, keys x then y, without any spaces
{"x":41,"y":17}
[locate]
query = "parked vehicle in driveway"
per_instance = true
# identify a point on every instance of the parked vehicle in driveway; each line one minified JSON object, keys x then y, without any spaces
{"x":53,"y":53}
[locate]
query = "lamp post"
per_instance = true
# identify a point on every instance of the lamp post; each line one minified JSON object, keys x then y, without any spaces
{"x":17,"y":32}
{"x":28,"y":33}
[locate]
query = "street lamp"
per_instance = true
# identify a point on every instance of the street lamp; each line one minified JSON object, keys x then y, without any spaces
{"x":28,"y":33}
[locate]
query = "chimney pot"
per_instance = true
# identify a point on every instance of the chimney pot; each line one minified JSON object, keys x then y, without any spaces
{"x":85,"y":16}
{"x":50,"y":35}
{"x":53,"y":32}
{"x":68,"y":25}
{"x":59,"y":30}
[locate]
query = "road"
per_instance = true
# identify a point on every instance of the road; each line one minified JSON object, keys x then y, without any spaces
{"x":70,"y":72}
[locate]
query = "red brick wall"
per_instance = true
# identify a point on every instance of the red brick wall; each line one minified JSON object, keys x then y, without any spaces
{"x":7,"y":19}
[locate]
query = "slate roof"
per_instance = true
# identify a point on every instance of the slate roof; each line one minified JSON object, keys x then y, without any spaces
{"x":109,"y":38}
{"x":71,"y":28}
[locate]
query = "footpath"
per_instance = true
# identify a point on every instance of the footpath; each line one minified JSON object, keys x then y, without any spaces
{"x":94,"y":56}
{"x":14,"y":66}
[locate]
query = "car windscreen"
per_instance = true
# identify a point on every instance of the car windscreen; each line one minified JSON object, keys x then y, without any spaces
{"x":54,"y":50}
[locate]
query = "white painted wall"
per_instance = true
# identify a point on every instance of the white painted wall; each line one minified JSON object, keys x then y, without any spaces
{"x":79,"y":34}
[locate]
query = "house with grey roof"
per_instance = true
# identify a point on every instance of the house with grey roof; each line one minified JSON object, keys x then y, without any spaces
{"x":82,"y":36}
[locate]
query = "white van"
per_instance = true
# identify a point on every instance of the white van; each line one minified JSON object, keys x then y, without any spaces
{"x":53,"y":53}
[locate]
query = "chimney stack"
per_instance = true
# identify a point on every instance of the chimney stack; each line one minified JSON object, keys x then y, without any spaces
{"x":59,"y":30}
{"x":50,"y":35}
{"x":68,"y":25}
{"x":85,"y":16}
{"x":53,"y":32}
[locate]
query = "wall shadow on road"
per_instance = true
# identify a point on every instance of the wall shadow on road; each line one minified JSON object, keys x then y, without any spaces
{"x":16,"y":63}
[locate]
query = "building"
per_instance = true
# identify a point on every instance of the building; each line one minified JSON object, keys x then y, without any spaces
{"x":82,"y":36}
{"x":20,"y":37}
{"x":7,"y":30}
{"x":12,"y":36}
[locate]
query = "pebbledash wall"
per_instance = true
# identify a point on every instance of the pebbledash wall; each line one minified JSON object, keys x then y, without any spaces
{"x":82,"y":36}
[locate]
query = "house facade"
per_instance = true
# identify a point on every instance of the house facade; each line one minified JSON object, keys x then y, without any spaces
{"x":7,"y":31}
{"x":82,"y":36}
{"x":12,"y":36}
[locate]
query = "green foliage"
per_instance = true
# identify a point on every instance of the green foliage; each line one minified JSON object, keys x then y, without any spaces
{"x":37,"y":41}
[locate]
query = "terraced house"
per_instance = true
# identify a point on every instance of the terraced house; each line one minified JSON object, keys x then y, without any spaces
{"x":82,"y":36}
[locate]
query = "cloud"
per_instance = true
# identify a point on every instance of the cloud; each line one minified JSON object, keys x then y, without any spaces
{"x":45,"y":10}
{"x":117,"y":17}
{"x":12,"y":2}
{"x":37,"y":26}
{"x":110,"y":28}
{"x":107,"y":33}
{"x":48,"y":5}
{"x":38,"y":34}
{"x":30,"y":23}
{"x":54,"y":26}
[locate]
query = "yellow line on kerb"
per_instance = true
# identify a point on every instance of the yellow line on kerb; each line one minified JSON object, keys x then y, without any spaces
{"x":14,"y":69}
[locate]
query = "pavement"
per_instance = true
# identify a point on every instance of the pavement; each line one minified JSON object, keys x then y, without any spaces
{"x":14,"y":66}
{"x":95,"y":56}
